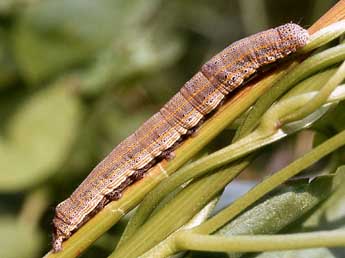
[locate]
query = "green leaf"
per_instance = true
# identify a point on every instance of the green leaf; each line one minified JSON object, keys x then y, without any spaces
{"x":328,"y":216}
{"x":333,"y":120}
{"x":39,"y":136}
{"x":331,"y":213}
{"x":277,"y":211}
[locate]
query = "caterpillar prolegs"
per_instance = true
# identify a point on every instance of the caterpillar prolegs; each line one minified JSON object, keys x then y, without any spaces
{"x":199,"y":96}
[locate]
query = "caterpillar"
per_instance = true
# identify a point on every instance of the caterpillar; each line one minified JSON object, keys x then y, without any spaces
{"x":202,"y":94}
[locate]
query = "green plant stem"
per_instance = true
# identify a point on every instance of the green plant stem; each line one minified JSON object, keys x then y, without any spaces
{"x":258,"y":243}
{"x":296,"y":74}
{"x":269,"y":184}
{"x":197,"y":168}
{"x":157,"y":251}
{"x":327,"y":147}
{"x":272,"y":119}
{"x":324,"y":36}
{"x":269,"y":216}
{"x":319,"y":99}
{"x":265,"y":134}
{"x":178,"y":211}
{"x":312,"y":83}
{"x":308,"y":67}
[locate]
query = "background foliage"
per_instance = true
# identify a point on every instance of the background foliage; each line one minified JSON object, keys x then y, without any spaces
{"x":76,"y":77}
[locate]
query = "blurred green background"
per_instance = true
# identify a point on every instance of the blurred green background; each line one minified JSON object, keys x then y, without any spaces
{"x":77,"y":76}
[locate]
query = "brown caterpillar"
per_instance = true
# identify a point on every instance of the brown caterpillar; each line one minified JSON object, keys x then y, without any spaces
{"x":197,"y":98}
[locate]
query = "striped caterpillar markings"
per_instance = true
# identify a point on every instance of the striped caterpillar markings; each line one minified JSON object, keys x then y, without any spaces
{"x":198,"y":97}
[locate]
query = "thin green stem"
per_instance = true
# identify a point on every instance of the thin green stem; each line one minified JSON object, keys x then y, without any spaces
{"x":197,"y":168}
{"x":312,"y":83}
{"x":259,"y":243}
{"x":163,"y":248}
{"x":269,"y":216}
{"x":178,"y":211}
{"x":271,"y":183}
{"x":275,"y":116}
{"x":324,"y":36}
{"x":311,"y":65}
{"x":319,"y":99}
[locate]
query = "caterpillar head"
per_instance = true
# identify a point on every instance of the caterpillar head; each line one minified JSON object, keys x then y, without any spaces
{"x":293,"y":36}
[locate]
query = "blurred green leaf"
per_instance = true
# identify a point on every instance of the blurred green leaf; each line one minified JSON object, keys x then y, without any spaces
{"x":54,"y":35}
{"x":18,"y":239}
{"x":7,"y":66}
{"x":39,"y":136}
{"x":138,"y":52}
